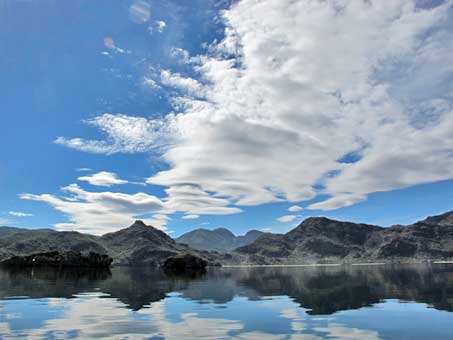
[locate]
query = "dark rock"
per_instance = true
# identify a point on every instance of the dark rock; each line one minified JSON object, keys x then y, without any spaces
{"x":184,"y":263}
{"x":397,"y":248}
{"x":59,"y":259}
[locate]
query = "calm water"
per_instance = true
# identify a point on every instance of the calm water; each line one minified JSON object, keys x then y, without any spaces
{"x":363,"y":303}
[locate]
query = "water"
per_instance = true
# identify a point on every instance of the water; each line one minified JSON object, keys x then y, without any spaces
{"x":363,"y":303}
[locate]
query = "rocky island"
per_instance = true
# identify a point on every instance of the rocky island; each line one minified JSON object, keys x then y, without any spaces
{"x":60,"y":260}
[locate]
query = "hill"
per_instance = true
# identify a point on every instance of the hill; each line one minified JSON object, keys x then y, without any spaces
{"x":322,"y":239}
{"x":219,"y":239}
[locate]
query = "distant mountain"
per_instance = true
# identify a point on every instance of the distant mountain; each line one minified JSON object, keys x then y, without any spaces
{"x":315,"y":240}
{"x":28,"y":241}
{"x":322,"y":239}
{"x":138,"y":245}
{"x":219,"y":239}
{"x":4,"y":231}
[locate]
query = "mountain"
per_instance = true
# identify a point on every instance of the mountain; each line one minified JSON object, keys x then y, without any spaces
{"x":137,"y":245}
{"x":219,"y":239}
{"x":315,"y":240}
{"x":445,"y":219}
{"x":26,"y":242}
{"x":322,"y":239}
{"x":4,"y":231}
{"x":140,"y":245}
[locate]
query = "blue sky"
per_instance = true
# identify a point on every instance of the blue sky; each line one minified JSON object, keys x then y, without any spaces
{"x":222,"y":113}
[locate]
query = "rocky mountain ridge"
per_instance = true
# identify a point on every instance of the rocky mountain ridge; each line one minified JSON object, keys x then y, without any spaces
{"x":321,"y":239}
{"x":315,"y":240}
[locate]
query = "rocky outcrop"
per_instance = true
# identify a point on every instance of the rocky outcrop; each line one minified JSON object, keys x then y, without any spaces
{"x":184,"y":263}
{"x":60,"y":259}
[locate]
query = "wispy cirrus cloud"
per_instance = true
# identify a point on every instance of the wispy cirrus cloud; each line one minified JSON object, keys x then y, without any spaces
{"x":19,"y":214}
{"x":83,"y":169}
{"x":123,"y":134}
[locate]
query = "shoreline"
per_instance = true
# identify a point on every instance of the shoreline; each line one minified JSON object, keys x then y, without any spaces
{"x":358,"y":264}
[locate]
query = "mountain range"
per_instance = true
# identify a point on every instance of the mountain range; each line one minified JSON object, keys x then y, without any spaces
{"x":219,"y":239}
{"x":315,"y":240}
{"x":137,"y":245}
{"x":321,"y":239}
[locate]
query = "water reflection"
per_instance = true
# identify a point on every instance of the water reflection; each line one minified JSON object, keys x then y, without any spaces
{"x":240,"y":303}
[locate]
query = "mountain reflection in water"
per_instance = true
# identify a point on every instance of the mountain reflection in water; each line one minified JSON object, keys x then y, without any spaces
{"x":358,"y":302}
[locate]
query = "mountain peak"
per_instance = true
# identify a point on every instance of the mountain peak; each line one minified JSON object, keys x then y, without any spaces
{"x":224,"y":231}
{"x":219,"y":239}
{"x":317,"y":221}
{"x":138,"y":223}
{"x":445,"y":219}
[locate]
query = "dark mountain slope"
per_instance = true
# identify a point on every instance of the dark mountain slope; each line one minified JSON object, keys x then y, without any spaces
{"x":5,"y":231}
{"x":313,"y":239}
{"x":321,"y":239}
{"x":27,"y":242}
{"x":139,"y":245}
{"x":142,"y":245}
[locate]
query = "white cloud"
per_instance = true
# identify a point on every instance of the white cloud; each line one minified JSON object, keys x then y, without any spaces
{"x":123,"y":134}
{"x":338,"y":331}
{"x":161,"y":25}
{"x":103,"y":178}
{"x":195,"y":201}
{"x":181,"y":55}
{"x":83,"y":169}
{"x":295,"y":208}
{"x":287,"y":218}
{"x":188,"y":85}
{"x":19,"y":214}
{"x":101,"y":212}
{"x":338,"y":202}
{"x":150,"y":83}
{"x":304,"y":98}
{"x":190,"y":217}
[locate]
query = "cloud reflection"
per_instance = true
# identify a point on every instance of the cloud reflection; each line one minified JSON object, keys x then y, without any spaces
{"x":95,"y":315}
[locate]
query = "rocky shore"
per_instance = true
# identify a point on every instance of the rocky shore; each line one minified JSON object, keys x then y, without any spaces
{"x":60,"y":259}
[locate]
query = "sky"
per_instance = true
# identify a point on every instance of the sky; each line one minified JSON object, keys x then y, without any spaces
{"x":250,"y":114}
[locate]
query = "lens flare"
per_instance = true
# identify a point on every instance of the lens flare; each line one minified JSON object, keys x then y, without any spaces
{"x":140,"y":12}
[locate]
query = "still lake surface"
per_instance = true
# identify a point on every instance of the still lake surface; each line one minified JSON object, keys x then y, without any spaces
{"x":345,"y":302}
